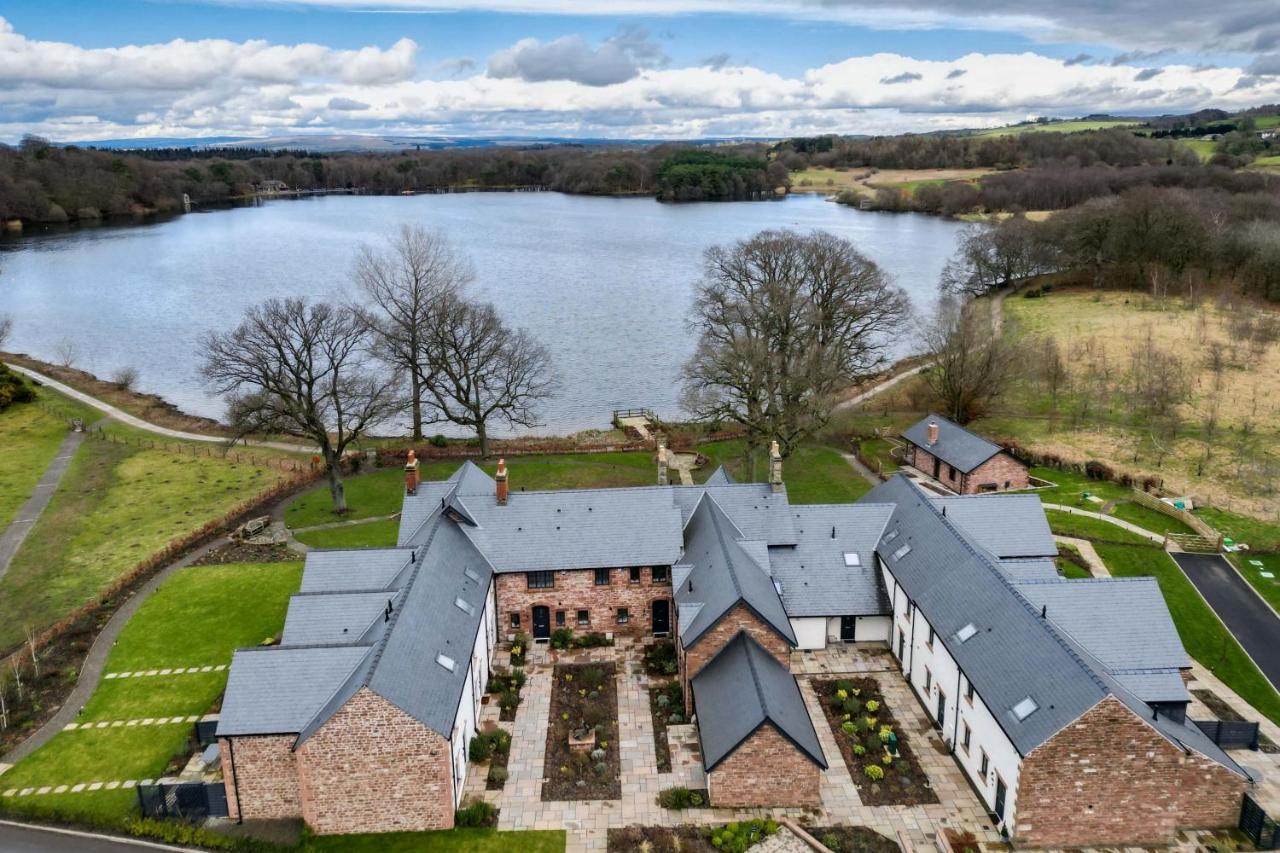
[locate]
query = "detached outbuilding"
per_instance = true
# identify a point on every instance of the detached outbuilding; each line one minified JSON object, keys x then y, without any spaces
{"x":962,"y":461}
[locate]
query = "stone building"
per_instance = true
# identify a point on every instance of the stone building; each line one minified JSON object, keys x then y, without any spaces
{"x":966,"y":463}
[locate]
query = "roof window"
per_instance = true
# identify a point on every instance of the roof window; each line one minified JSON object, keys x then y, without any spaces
{"x":465,"y":606}
{"x":1025,"y":708}
{"x":446,"y":662}
{"x":902,"y":552}
{"x":471,"y":573}
{"x":966,"y":632}
{"x":891,"y":535}
{"x":851,"y":559}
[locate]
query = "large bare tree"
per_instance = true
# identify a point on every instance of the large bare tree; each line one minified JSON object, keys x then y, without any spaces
{"x":302,"y":369}
{"x":970,"y":365}
{"x":6,"y":327}
{"x":407,"y":280}
{"x":478,"y":370}
{"x":784,"y":321}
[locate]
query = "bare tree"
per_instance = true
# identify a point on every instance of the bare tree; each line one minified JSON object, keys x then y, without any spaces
{"x":971,"y":366}
{"x":4,"y":705}
{"x":408,"y":281}
{"x":15,"y":670}
{"x":67,"y":351}
{"x":125,"y":378}
{"x":303,"y":370}
{"x":991,"y":257}
{"x":786,"y":320}
{"x":6,"y":329}
{"x":33,"y":648}
{"x":478,"y":370}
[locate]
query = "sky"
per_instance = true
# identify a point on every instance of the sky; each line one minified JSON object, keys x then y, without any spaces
{"x":629,"y":69}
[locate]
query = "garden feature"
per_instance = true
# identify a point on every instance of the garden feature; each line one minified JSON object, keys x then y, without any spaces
{"x":564,"y":639}
{"x":506,"y":684}
{"x":494,"y":748}
{"x":519,"y":646}
{"x":660,"y":659}
{"x":679,"y":799}
{"x":731,"y":838}
{"x":582,"y":761}
{"x":666,"y":706}
{"x":883,"y":766}
{"x":852,"y":839}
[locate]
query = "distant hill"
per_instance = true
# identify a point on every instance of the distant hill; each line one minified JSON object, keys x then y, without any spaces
{"x":352,"y":142}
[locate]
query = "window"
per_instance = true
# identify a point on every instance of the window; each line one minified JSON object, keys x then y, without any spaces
{"x":890,"y":536}
{"x":965,"y":735}
{"x":635,"y":574}
{"x":930,"y":641}
{"x":559,"y":618}
{"x":902,"y":552}
{"x":1025,"y":708}
{"x":584,"y":617}
{"x":983,"y":767}
{"x":659,"y":574}
{"x":515,"y":621}
{"x":540,"y":580}
{"x":966,"y":632}
{"x":465,"y":606}
{"x":851,"y":559}
{"x":446,"y":662}
{"x":951,"y":472}
{"x":602,"y":577}
{"x":623,"y":616}
{"x":968,"y":690}
{"x":928,"y":680}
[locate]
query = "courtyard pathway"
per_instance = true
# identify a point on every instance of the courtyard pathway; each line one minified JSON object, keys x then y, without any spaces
{"x":1088,"y":552}
{"x":1110,"y":519}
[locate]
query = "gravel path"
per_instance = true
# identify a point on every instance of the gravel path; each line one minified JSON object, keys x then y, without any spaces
{"x":30,"y":512}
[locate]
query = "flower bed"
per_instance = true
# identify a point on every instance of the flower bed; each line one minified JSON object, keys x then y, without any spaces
{"x":666,"y":707}
{"x":660,"y":659}
{"x":506,"y":684}
{"x":862,"y":723}
{"x":852,"y":839}
{"x":584,"y":704}
{"x":730,"y":838}
{"x":493,"y":748}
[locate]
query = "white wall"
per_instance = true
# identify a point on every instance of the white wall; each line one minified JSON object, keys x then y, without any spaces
{"x":465,"y":723}
{"x":871,"y":629}
{"x":811,"y":632}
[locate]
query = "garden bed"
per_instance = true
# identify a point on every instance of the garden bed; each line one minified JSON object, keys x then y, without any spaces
{"x":584,"y":702}
{"x":852,"y":839}
{"x":860,"y":723}
{"x":505,"y":686}
{"x":492,"y":748}
{"x":660,"y":659}
{"x":730,"y":838}
{"x":666,"y":707}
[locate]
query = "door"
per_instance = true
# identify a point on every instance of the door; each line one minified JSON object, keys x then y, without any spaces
{"x":937,"y":467}
{"x":661,"y":617}
{"x":902,"y":644}
{"x":848,"y":626}
{"x":1000,"y":795}
{"x":541,"y":623}
{"x":942,"y":707}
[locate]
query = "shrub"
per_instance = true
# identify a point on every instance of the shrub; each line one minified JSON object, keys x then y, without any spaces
{"x":737,"y":837}
{"x":660,"y":658}
{"x":675,"y":798}
{"x":476,"y":813}
{"x":508,"y":700}
{"x":498,"y":775}
{"x":593,"y":678}
{"x":859,"y":749}
{"x":478,"y":750}
{"x":847,"y":727}
{"x":872,"y":706}
{"x":695,"y":798}
{"x":439,"y":440}
{"x":562,"y":638}
{"x":831,"y":841}
{"x":853,"y":705}
{"x":517,"y":677}
{"x":874,"y":772}
{"x":844,"y":686}
{"x":592,"y":640}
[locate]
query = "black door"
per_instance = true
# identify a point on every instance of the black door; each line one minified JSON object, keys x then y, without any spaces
{"x":937,"y":467}
{"x":541,"y":623}
{"x":1000,"y":792}
{"x":902,"y":644}
{"x":847,"y":626}
{"x":661,"y":617}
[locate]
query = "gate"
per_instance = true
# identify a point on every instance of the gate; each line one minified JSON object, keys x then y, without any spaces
{"x":1230,"y":734}
{"x":1255,"y":823}
{"x":185,"y":800}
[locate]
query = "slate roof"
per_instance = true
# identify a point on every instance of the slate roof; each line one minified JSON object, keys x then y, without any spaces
{"x":741,"y":689}
{"x":756,"y":510}
{"x":1007,"y":525}
{"x":276,"y":690}
{"x":815,"y":580}
{"x":1039,"y":568}
{"x":720,"y":477}
{"x":955,"y":446}
{"x":354,"y":569}
{"x":725,"y":573}
{"x":334,"y":618}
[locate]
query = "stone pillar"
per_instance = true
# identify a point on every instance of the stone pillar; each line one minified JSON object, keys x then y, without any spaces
{"x":775,"y":467}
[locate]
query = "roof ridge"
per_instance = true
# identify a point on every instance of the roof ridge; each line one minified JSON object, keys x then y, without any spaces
{"x":301,"y":647}
{"x":755,"y":676}
{"x":381,"y":645}
{"x":715,"y":525}
{"x":317,"y":593}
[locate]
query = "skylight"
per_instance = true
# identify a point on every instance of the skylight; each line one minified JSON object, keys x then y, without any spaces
{"x":471,"y":573}
{"x":1025,"y":708}
{"x":777,"y":585}
{"x":966,"y":632}
{"x":446,"y":662}
{"x":902,"y":552}
{"x":465,"y":606}
{"x":891,"y":535}
{"x":851,"y":559}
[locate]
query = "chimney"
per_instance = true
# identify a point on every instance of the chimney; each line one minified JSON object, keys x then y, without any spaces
{"x":502,"y":482}
{"x":933,"y":433}
{"x":663,"y":478}
{"x":411,"y":474}
{"x":775,"y":467}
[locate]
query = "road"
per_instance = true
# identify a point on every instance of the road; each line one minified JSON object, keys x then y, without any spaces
{"x":21,"y":838}
{"x":1245,"y":614}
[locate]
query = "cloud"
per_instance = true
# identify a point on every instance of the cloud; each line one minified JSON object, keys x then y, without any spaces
{"x":956,"y":73}
{"x":1078,"y":59}
{"x":618,"y":59}
{"x":1265,"y":65}
{"x":904,"y":77}
{"x":457,"y":67}
{"x":1147,"y":74}
{"x":715,"y":61}
{"x":347,"y":104}
{"x":1133,"y":56}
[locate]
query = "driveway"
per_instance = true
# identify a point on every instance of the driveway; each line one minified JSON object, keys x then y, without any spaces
{"x":1246,"y":615}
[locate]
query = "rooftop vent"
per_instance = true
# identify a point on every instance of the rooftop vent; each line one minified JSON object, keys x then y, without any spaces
{"x":446,"y":662}
{"x":1025,"y":708}
{"x":851,"y":559}
{"x":902,"y":552}
{"x":465,"y":606}
{"x":966,"y":632}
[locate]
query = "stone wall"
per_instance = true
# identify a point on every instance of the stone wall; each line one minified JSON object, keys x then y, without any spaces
{"x":373,"y":768}
{"x":766,"y":770}
{"x":1110,"y":779}
{"x":268,"y":776}
{"x":739,"y":618}
{"x":575,"y":590}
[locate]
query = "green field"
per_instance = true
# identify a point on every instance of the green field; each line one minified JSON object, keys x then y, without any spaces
{"x":1055,"y":127}
{"x":30,"y":436}
{"x":197,"y":617}
{"x":366,"y":534}
{"x":1269,"y":161}
{"x":1204,"y":148}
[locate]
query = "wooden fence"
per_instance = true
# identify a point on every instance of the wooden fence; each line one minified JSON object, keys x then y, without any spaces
{"x":1196,"y":523}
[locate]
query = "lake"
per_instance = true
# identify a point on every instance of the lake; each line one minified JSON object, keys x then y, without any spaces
{"x":604,"y":283}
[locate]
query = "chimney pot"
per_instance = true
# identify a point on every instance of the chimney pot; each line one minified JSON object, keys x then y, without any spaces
{"x":933,"y":432}
{"x":501,"y":479}
{"x":411,"y":474}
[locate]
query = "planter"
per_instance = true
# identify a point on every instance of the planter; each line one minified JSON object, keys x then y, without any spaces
{"x":586,"y":743}
{"x":484,"y":699}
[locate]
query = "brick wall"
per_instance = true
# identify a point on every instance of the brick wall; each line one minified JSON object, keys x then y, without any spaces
{"x":267,"y":773}
{"x":766,"y":770}
{"x":373,"y":768}
{"x":739,"y":618}
{"x":1110,"y":779}
{"x":575,"y":590}
{"x":999,"y":469}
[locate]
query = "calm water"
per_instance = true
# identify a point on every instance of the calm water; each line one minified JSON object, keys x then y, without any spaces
{"x":604,"y":283}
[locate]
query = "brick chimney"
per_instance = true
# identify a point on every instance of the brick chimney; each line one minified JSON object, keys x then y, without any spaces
{"x":932,"y":433}
{"x":501,"y":479}
{"x":411,"y":474}
{"x":775,"y":467}
{"x":663,"y":478}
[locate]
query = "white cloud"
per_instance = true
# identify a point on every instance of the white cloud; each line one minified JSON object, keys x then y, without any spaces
{"x":618,"y":59}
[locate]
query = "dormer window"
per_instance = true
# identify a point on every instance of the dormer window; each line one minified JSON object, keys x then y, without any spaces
{"x":1025,"y":708}
{"x":851,"y":559}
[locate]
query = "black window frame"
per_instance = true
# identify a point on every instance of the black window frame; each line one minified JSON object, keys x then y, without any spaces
{"x":515,"y":621}
{"x":583,"y":621}
{"x":603,"y":577}
{"x":637,"y":574}
{"x":932,"y":637}
{"x":968,"y":690}
{"x":968,"y":735}
{"x":560,"y":619}
{"x":549,"y":577}
{"x":664,"y":578}
{"x":985,"y":764}
{"x":928,"y":680}
{"x":623,"y":615}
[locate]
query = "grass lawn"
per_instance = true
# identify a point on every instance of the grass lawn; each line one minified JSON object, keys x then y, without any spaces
{"x":1083,"y":527}
{"x":1268,"y":588}
{"x":367,"y":534}
{"x":878,"y":450}
{"x":116,"y":506}
{"x":1202,"y":633}
{"x":470,"y":840}
{"x":199,"y":616}
{"x":1260,"y":535}
{"x":30,"y":437}
{"x":1204,"y":148}
{"x":813,"y":473}
{"x":1072,"y":126}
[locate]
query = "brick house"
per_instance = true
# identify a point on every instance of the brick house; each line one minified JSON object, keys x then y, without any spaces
{"x":966,"y":463}
{"x":1061,"y":701}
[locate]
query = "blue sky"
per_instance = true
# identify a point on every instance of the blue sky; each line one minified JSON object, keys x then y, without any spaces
{"x":662,"y":68}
